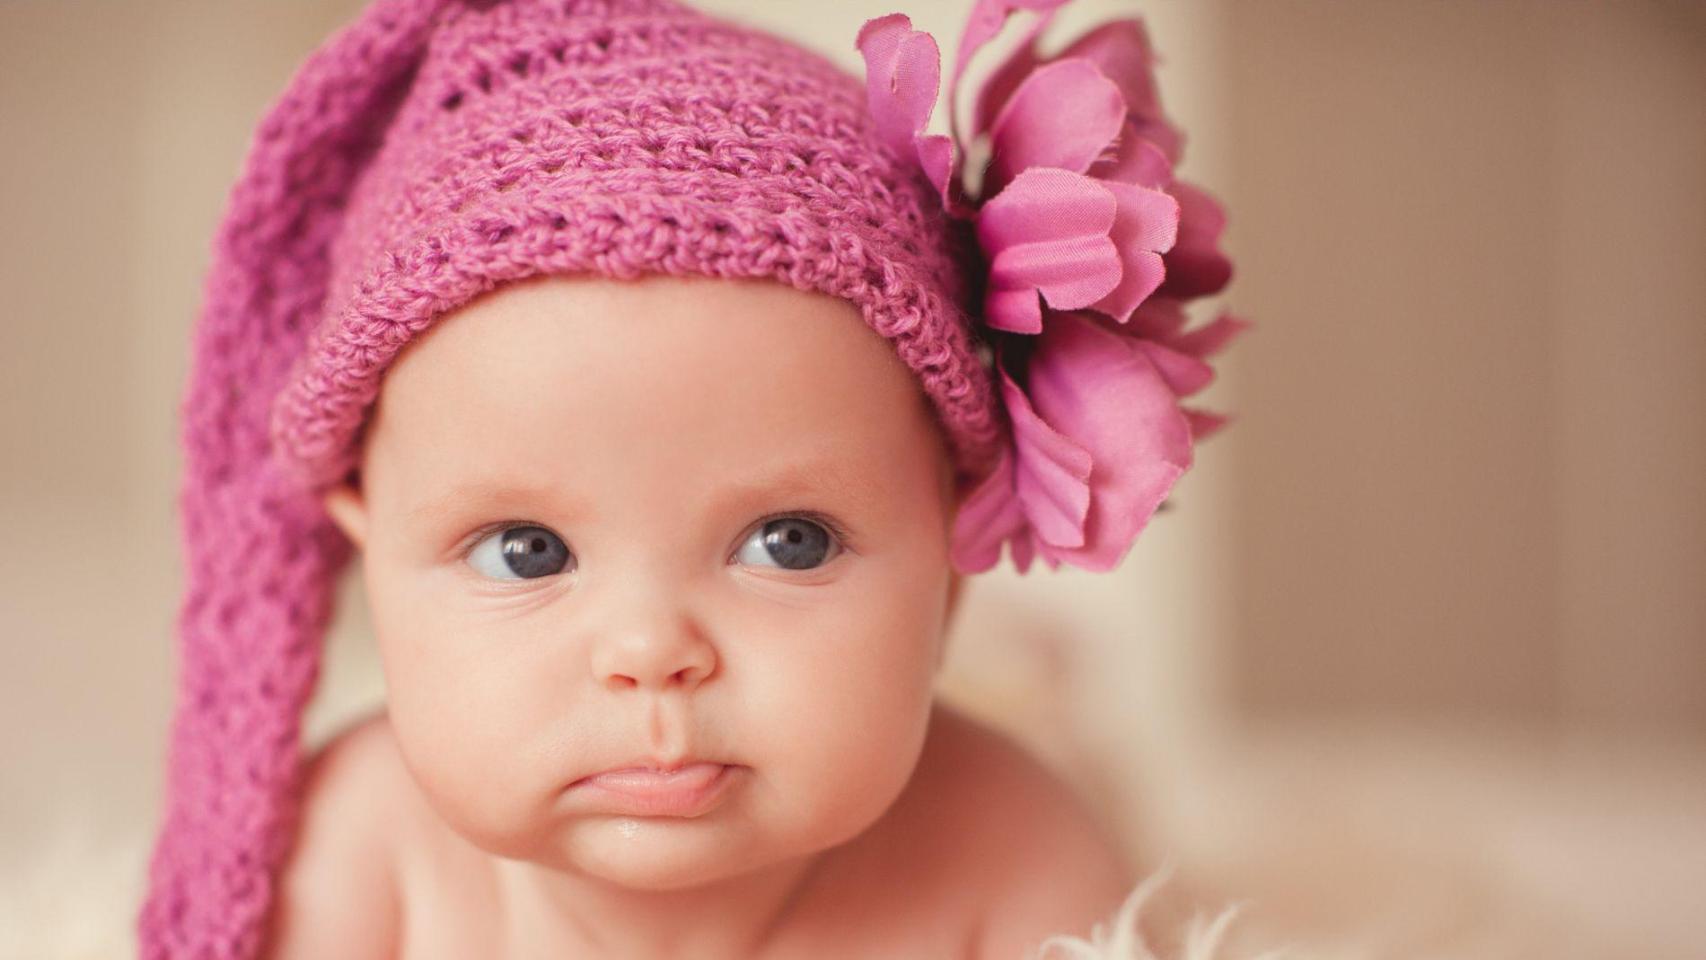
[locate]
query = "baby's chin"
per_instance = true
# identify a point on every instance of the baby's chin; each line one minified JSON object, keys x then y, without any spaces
{"x":665,"y":853}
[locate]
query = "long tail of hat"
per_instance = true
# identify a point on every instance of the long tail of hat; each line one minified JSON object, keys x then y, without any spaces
{"x":261,"y":556}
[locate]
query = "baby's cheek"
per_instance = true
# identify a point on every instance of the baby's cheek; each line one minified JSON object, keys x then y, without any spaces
{"x":849,"y":724}
{"x":458,"y":736}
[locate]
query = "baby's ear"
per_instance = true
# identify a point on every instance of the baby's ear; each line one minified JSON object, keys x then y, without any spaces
{"x":348,"y":510}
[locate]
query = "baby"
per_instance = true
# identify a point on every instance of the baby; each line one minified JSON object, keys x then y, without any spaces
{"x":667,"y":381}
{"x":659,"y":576}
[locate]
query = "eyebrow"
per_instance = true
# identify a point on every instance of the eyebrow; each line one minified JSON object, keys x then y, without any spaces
{"x":488,"y":491}
{"x":817,"y":474}
{"x":824,"y":474}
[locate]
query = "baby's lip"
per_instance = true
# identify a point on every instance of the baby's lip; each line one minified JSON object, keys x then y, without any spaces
{"x":656,"y":766}
{"x":650,"y":777}
{"x":684,"y":791}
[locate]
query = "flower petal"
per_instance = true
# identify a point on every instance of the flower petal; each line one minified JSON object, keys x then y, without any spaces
{"x":937,"y":158}
{"x":1158,"y":318}
{"x":1183,"y":373}
{"x":1121,"y":49}
{"x":1070,"y":273}
{"x":1097,"y":387}
{"x":1004,"y":79}
{"x":1051,"y":475}
{"x":1195,"y":265}
{"x":1134,"y":160}
{"x":1048,"y":234}
{"x":1146,"y":223}
{"x":1036,"y":497}
{"x":1212,"y":338}
{"x":985,"y":23}
{"x":1025,"y":548}
{"x":1203,"y":422}
{"x":988,"y":517}
{"x":903,"y":74}
{"x":1062,"y":115}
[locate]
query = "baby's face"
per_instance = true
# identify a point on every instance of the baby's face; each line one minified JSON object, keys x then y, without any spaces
{"x":606,"y":523}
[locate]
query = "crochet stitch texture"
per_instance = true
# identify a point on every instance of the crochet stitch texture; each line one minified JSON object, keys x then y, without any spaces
{"x":424,"y":154}
{"x":626,"y":137}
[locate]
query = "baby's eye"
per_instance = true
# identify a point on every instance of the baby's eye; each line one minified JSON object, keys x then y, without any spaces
{"x":520,"y":553}
{"x":793,"y":543}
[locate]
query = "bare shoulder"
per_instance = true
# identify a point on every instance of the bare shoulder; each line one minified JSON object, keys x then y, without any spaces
{"x":337,"y":894}
{"x":1046,"y":864}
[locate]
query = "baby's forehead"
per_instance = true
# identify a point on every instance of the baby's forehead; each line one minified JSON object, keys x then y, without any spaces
{"x":692,"y":375}
{"x":845,"y":478}
{"x":604,"y":327}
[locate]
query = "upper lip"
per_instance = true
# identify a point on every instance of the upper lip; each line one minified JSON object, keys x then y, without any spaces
{"x":656,"y":765}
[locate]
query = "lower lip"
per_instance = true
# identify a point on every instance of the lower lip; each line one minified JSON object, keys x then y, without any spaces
{"x":687,"y":792}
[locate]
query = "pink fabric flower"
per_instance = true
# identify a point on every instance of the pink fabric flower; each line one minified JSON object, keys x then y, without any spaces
{"x":1091,"y":247}
{"x":903,"y":74}
{"x":1161,"y":320}
{"x":1144,"y":152}
{"x":1098,"y":440}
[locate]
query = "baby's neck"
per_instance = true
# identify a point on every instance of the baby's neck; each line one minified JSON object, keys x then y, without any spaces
{"x":731,"y":919}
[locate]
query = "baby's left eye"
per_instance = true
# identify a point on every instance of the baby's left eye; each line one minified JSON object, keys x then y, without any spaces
{"x":525,"y":552}
{"x":793,"y":543}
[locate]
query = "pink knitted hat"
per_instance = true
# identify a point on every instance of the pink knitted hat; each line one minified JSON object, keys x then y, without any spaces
{"x":434,"y":149}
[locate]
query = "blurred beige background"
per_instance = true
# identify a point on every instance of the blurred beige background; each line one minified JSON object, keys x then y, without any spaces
{"x":1416,"y":663}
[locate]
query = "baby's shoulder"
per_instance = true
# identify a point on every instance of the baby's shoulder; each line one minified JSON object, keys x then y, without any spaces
{"x":337,"y":894}
{"x":1037,"y":858}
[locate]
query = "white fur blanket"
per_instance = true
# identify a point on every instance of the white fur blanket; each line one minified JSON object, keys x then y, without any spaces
{"x":76,"y":899}
{"x":1120,"y":939}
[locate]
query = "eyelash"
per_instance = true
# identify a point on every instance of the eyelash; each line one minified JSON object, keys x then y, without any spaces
{"x":828,"y":523}
{"x":823,"y":520}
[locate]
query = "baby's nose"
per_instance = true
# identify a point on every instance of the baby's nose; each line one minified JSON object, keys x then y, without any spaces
{"x":665,"y":653}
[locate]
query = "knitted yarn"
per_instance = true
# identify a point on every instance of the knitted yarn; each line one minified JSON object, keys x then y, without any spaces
{"x":626,"y":137}
{"x":424,"y":154}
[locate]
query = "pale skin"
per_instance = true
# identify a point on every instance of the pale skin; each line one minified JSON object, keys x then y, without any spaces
{"x":603,"y":520}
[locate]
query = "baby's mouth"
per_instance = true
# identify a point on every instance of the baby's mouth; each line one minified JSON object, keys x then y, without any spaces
{"x":684,"y":791}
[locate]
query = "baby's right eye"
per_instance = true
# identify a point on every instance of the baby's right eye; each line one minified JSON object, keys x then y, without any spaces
{"x":521,"y":553}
